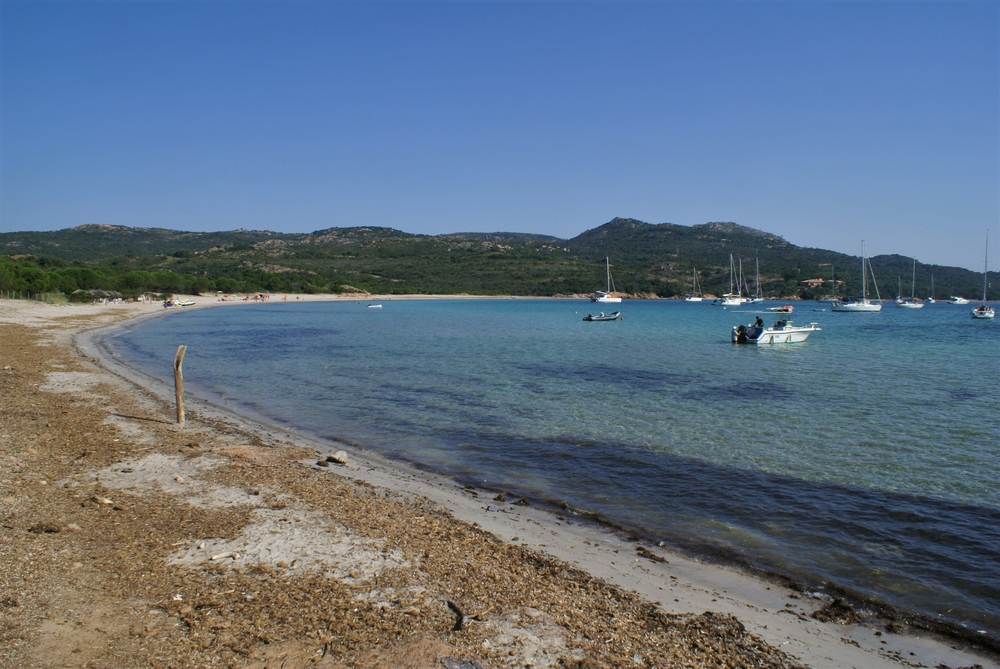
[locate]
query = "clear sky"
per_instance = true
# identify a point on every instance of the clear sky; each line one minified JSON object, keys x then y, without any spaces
{"x":824,"y":122}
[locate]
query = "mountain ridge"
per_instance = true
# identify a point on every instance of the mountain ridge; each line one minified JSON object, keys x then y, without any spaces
{"x":647,"y":259}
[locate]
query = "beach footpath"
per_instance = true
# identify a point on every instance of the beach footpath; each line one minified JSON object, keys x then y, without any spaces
{"x":129,"y":540}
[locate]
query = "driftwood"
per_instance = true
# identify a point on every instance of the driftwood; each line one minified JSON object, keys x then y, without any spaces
{"x":649,"y":555}
{"x":179,"y":382}
{"x":458,"y":614}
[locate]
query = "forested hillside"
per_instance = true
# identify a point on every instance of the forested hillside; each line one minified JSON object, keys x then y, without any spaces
{"x":646,"y":261}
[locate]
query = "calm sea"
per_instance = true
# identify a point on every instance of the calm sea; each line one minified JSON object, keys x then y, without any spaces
{"x":866,"y":456}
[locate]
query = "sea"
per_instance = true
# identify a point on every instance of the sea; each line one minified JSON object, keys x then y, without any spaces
{"x":864,"y":458}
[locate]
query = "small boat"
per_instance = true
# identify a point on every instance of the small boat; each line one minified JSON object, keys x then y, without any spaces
{"x":930,"y":299}
{"x":757,"y":297}
{"x":984,"y":310}
{"x":605,"y":296}
{"x":782,"y":332}
{"x":732,"y":299}
{"x":695,"y":295}
{"x":861,"y":304}
{"x":603,"y":317}
{"x":912,"y":302}
{"x":785,"y":309}
{"x":374,"y":306}
{"x":958,"y":300}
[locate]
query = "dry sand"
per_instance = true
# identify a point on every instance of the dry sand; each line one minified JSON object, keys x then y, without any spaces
{"x":129,"y":541}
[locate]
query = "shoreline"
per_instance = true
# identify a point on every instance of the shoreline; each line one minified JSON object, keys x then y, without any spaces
{"x":677,"y":583}
{"x":876,"y":614}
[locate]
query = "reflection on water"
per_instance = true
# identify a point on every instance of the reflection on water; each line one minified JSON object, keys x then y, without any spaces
{"x":866,"y":455}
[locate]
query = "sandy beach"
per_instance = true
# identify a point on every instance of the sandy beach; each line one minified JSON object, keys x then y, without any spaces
{"x":128,"y":540}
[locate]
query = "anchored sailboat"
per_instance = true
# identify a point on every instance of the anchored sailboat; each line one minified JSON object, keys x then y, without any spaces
{"x":695,"y":295}
{"x":984,"y":310}
{"x":732,"y":299}
{"x":757,"y":297}
{"x":605,"y":296}
{"x":912,"y":302}
{"x":861,"y":304}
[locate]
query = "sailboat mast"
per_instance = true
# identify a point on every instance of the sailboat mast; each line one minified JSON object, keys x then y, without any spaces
{"x":607,"y":262}
{"x":986,"y":260}
{"x":757,"y":284}
{"x":913,"y":282}
{"x":864,"y":277}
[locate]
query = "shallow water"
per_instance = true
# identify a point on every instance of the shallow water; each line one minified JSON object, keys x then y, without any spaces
{"x":866,"y":456}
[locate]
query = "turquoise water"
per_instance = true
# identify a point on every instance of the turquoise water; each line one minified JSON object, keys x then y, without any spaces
{"x":866,"y":456}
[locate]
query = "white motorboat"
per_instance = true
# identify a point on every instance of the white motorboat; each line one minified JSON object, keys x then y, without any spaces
{"x":984,"y":310}
{"x":912,"y":302}
{"x":374,"y":306}
{"x":861,"y":304}
{"x":782,"y":332}
{"x":785,"y":309}
{"x":695,"y":295}
{"x":606,"y":296}
{"x":958,"y":300}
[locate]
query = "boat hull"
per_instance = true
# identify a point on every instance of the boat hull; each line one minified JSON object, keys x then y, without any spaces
{"x":774,"y":335}
{"x":602,"y":317}
{"x":856,"y":307}
{"x":981,"y":313}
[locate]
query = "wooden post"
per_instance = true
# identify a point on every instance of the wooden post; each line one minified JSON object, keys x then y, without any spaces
{"x":179,"y":382}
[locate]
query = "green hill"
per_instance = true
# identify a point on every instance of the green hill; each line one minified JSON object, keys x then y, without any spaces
{"x":646,"y":260}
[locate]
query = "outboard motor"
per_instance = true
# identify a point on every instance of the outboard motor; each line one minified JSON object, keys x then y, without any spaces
{"x":741,"y":334}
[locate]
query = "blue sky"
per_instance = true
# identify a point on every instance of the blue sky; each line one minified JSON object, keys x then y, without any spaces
{"x":824,"y":122}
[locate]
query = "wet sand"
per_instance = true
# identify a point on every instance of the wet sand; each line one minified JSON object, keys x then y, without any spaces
{"x":128,"y":540}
